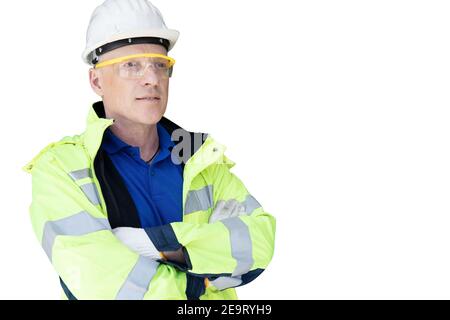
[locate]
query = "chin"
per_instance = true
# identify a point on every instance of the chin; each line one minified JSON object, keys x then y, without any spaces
{"x":149,"y":116}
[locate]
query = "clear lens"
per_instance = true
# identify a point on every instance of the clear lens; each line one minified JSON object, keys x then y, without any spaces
{"x":137,"y":67}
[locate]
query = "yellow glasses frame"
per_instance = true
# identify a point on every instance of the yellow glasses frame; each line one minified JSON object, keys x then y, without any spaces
{"x":141,"y":55}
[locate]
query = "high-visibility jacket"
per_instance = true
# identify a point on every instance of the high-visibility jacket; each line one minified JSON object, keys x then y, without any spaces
{"x":78,"y":197}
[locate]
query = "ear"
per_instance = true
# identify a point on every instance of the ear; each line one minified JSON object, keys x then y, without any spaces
{"x":95,"y":81}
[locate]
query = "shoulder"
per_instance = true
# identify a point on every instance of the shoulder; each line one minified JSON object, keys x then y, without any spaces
{"x":211,"y":156}
{"x":66,"y":152}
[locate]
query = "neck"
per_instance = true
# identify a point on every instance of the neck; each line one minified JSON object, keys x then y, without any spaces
{"x":138,"y":135}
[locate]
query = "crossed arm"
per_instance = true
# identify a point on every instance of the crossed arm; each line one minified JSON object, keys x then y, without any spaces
{"x":95,"y":264}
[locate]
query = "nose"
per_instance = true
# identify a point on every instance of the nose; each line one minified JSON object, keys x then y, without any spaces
{"x":150,"y":77}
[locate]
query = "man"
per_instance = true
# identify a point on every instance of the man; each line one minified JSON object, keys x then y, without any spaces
{"x":136,"y":207}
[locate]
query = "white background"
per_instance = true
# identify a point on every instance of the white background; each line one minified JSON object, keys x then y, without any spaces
{"x":336,"y":113}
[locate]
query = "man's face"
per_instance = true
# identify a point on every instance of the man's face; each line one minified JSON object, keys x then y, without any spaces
{"x":121,"y":96}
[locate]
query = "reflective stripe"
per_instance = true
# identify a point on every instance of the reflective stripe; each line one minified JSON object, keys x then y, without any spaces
{"x":202,"y":200}
{"x":250,"y":204}
{"x":80,"y":174}
{"x":138,"y":280}
{"x":241,"y":245}
{"x":197,"y":200}
{"x":90,"y":190}
{"x":76,"y":225}
{"x":223,"y":283}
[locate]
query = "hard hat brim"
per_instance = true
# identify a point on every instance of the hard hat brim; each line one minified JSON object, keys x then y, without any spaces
{"x":169,"y":34}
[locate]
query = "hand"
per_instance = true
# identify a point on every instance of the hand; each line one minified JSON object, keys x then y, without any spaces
{"x":174,"y":256}
{"x":226,"y":209}
{"x":137,"y":240}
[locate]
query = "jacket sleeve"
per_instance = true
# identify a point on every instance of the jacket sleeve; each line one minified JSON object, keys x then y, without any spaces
{"x":230,"y":252}
{"x":77,"y":238}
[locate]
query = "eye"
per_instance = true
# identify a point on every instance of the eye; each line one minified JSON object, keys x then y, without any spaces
{"x":131,"y":64}
{"x":161,"y":65}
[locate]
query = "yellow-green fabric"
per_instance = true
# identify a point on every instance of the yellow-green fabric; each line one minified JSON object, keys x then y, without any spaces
{"x":69,"y":218}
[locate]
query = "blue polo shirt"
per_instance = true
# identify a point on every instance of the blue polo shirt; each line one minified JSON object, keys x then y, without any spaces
{"x":155,"y":188}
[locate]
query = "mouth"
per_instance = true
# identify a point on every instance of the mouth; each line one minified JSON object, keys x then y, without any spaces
{"x":149,"y":98}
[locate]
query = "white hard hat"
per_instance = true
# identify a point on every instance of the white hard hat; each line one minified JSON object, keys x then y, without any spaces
{"x":117,"y":23}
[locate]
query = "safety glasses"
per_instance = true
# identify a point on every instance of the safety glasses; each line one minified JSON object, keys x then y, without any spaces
{"x":136,"y":65}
